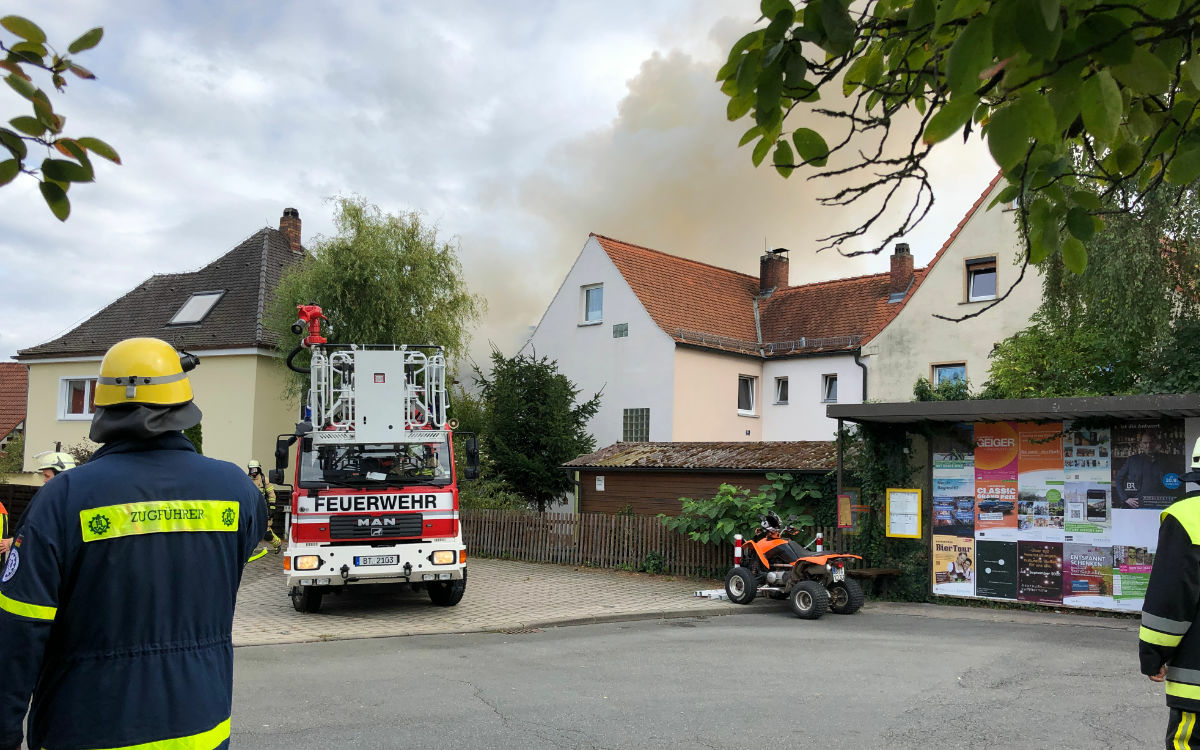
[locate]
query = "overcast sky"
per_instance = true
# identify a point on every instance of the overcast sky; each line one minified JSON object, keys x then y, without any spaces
{"x":516,"y":128}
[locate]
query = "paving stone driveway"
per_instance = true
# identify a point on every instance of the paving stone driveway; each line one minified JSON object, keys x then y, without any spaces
{"x":501,"y":595}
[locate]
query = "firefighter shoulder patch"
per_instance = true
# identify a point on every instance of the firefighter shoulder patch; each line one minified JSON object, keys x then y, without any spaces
{"x":10,"y":569}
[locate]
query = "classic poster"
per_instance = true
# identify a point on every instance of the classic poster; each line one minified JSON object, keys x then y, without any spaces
{"x":1087,"y":575}
{"x":1040,"y":572}
{"x":1147,"y":459}
{"x":1040,"y":481}
{"x":996,"y":510}
{"x":996,"y":569}
{"x":953,"y":565}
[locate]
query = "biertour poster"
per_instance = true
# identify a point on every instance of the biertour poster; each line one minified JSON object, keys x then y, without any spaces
{"x":1060,"y":513}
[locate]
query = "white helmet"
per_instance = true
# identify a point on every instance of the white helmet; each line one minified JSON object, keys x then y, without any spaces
{"x":1196,"y":456}
{"x":55,"y":460}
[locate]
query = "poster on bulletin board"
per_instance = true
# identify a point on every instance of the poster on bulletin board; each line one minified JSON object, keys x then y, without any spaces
{"x":904,"y":513}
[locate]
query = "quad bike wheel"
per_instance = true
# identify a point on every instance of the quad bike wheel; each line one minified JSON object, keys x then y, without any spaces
{"x":740,"y":585}
{"x":809,"y":600}
{"x":845,"y":597}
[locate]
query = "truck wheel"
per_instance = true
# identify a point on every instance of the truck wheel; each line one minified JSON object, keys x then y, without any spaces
{"x":740,"y":585}
{"x":845,"y":597}
{"x":447,"y":593}
{"x":809,"y":600}
{"x":306,"y":599}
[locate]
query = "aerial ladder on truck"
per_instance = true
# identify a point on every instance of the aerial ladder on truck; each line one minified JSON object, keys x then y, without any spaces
{"x":375,"y":485}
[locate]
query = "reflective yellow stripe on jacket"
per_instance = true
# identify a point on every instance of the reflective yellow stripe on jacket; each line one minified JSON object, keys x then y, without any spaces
{"x":1188,"y":516}
{"x":157,"y":517}
{"x":34,"y":611}
{"x":203,"y":741}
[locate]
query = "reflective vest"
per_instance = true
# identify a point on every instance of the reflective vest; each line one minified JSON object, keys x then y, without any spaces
{"x":116,"y":602}
{"x":1167,"y":635}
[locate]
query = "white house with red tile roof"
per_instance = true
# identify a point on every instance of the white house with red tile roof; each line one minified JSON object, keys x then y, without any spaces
{"x":14,"y":383}
{"x":685,"y":351}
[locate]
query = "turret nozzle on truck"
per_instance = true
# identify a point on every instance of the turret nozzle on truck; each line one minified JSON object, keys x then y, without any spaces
{"x":375,"y":485}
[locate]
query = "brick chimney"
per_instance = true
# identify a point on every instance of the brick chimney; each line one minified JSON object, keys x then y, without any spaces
{"x":289,"y":224}
{"x":773,"y":270}
{"x":902,"y":272}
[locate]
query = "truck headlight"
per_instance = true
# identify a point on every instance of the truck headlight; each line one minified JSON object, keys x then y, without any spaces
{"x":443,"y":557}
{"x":306,"y":562}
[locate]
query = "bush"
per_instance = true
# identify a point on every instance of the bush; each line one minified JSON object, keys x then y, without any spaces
{"x":736,"y":511}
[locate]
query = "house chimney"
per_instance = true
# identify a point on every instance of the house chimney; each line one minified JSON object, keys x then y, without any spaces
{"x":902,"y":272}
{"x":773,"y":270}
{"x":289,"y":224}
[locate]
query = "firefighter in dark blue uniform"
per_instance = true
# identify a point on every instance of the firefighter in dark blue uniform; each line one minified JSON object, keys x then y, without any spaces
{"x":116,"y":602}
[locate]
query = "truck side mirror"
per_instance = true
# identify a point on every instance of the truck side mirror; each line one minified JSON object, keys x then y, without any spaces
{"x":282,"y":443}
{"x":471,"y":470}
{"x":275,"y":476}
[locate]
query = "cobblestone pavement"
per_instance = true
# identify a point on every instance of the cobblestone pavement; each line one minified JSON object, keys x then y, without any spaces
{"x":501,"y":595}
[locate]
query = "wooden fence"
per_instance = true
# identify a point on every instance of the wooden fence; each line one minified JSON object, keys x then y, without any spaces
{"x":599,"y":540}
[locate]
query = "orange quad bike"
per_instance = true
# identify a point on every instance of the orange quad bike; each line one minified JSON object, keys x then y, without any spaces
{"x":783,"y":569}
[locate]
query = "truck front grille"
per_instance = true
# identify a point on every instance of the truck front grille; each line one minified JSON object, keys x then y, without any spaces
{"x":366,"y":527}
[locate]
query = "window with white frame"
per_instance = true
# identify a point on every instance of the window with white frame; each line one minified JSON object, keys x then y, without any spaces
{"x":781,"y":390}
{"x":76,"y":398}
{"x":591,"y":302}
{"x":197,"y":308}
{"x":981,"y":279}
{"x":746,"y":394}
{"x":949,"y":372}
{"x":829,"y":389}
{"x":635,"y":426}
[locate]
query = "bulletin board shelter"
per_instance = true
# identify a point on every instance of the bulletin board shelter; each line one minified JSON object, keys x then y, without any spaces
{"x":1046,"y":501}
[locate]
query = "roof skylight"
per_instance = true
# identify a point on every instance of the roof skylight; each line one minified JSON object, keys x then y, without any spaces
{"x":196,"y":308}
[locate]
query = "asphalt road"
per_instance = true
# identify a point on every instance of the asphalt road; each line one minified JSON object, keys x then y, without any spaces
{"x":872,"y":680}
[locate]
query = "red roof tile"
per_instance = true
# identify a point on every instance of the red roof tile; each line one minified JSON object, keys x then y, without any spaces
{"x":14,"y":384}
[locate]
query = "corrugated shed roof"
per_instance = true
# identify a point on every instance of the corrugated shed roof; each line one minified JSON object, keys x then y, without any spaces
{"x":14,"y":385}
{"x":799,"y":455}
{"x":248,"y":275}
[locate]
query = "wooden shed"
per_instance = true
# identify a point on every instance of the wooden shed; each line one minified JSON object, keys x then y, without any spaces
{"x":649,"y":478}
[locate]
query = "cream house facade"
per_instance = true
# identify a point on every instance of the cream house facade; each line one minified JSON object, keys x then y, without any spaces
{"x":977,"y":264}
{"x":215,"y":313}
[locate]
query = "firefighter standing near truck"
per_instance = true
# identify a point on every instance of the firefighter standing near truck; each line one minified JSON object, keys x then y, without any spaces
{"x":1168,"y":641}
{"x":254,"y":470}
{"x":116,"y":603}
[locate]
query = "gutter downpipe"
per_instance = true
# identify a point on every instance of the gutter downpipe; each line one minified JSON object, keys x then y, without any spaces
{"x":840,"y":446}
{"x":863,"y":365}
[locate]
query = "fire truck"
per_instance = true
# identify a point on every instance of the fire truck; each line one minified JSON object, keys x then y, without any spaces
{"x":375,"y":486}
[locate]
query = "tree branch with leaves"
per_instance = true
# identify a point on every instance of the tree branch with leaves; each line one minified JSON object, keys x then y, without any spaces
{"x":24,"y":52}
{"x":1075,"y":99}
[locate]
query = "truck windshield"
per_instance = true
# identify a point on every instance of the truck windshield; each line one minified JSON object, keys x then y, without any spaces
{"x":375,"y":465}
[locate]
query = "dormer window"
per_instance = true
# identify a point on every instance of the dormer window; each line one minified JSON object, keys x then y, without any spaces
{"x":198,"y":306}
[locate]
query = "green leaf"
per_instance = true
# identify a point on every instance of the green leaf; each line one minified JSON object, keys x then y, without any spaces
{"x":28,"y":125}
{"x":1007,"y":195}
{"x":794,"y":70}
{"x":9,"y":170}
{"x":753,"y":40}
{"x":920,"y":14}
{"x":56,"y":199}
{"x":738,"y":106}
{"x":99,"y":148}
{"x":61,"y":170}
{"x":21,"y":86}
{"x":1191,"y":69}
{"x":951,"y":118}
{"x":970,"y":55}
{"x":1184,"y":166}
{"x":1087,"y":199}
{"x":1050,"y":12}
{"x":1040,"y":40}
{"x":1128,"y":158}
{"x":13,"y":143}
{"x":1110,"y":35}
{"x":1101,"y":106}
{"x":1074,"y":255}
{"x":761,"y":149}
{"x":784,"y":160}
{"x":88,"y":40}
{"x":811,"y":146}
{"x":772,"y":8}
{"x":23,"y":28}
{"x":748,"y":71}
{"x":839,"y":27}
{"x":1008,"y":136}
{"x":1145,"y":73}
{"x":1079,"y":222}
{"x":750,"y":135}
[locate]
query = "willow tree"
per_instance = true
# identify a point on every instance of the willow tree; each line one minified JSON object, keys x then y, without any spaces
{"x":380,"y":279}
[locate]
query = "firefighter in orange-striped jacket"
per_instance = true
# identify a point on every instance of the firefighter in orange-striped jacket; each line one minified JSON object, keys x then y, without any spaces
{"x":1168,"y":642}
